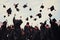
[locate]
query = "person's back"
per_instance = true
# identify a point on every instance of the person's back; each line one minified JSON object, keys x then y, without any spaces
{"x":27,"y":30}
{"x":43,"y":31}
{"x":0,"y":34}
{"x":54,"y":25}
{"x":54,"y":28}
{"x":17,"y":23}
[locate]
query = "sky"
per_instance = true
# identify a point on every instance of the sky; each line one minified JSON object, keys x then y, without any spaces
{"x":24,"y":12}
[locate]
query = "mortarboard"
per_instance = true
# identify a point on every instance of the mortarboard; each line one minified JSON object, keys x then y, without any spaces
{"x":40,"y":10}
{"x":25,"y":5}
{"x":17,"y":9}
{"x":4,"y":6}
{"x":16,"y":5}
{"x":50,"y":15}
{"x":4,"y":16}
{"x":31,"y":16}
{"x":27,"y":19}
{"x":35,"y":19}
{"x":52,"y":8}
{"x":39,"y":15}
{"x":42,"y":6}
{"x":30,"y":9}
{"x":9,"y":11}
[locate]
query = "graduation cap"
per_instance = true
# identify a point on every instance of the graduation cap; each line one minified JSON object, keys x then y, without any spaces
{"x":17,"y":9}
{"x":24,"y":6}
{"x":41,"y":23}
{"x":31,"y":16}
{"x":16,"y":5}
{"x":52,"y":8}
{"x":9,"y":11}
{"x":42,"y":6}
{"x":35,"y":19}
{"x":39,"y":15}
{"x":4,"y":16}
{"x":27,"y":19}
{"x":4,"y":6}
{"x":30,"y":9}
{"x":50,"y":15}
{"x":40,"y":10}
{"x":54,"y":20}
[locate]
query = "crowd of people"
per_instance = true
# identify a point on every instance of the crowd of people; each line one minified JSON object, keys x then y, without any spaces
{"x":15,"y":32}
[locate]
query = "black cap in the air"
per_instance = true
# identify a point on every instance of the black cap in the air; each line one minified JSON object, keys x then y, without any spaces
{"x":9,"y":11}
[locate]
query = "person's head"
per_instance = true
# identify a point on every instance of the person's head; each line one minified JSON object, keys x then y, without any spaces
{"x":31,"y":28}
{"x":9,"y":27}
{"x":36,"y":28}
{"x":27,"y":23}
{"x":41,"y":23}
{"x":54,"y":20}
{"x":4,"y":23}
